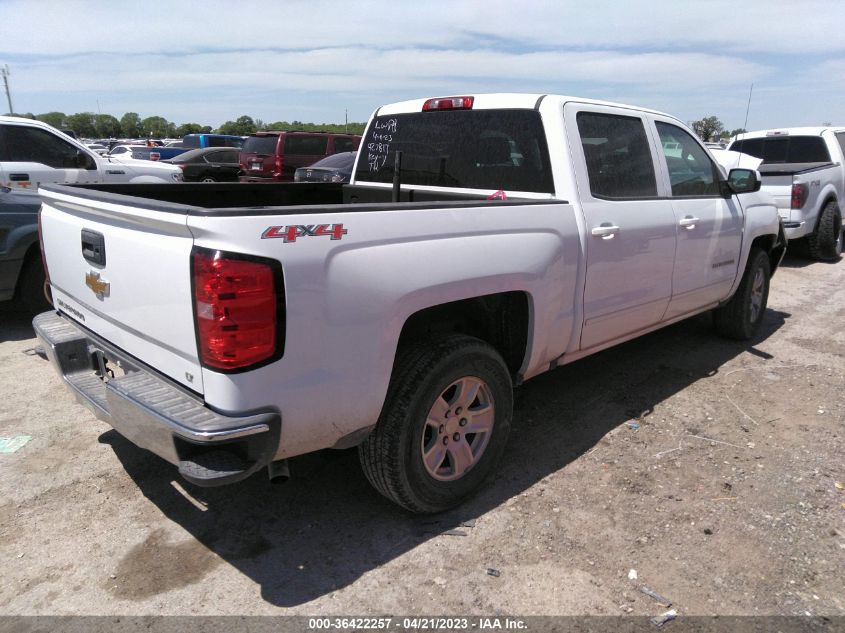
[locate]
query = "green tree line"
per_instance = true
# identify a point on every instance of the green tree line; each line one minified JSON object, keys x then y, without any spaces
{"x":131,"y":125}
{"x":710,"y":128}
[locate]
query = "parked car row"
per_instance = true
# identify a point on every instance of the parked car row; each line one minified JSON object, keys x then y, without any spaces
{"x":271,"y":156}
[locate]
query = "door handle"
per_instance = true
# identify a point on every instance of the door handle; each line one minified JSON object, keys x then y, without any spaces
{"x":18,"y":177}
{"x":605,"y":231}
{"x":688,"y":222}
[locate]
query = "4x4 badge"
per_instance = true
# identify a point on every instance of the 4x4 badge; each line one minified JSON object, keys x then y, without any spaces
{"x":290,"y":233}
{"x":99,"y":286}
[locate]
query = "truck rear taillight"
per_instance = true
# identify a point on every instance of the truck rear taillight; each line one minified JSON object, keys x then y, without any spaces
{"x":449,"y":103}
{"x":799,"y":195}
{"x":239,"y":309}
{"x":280,"y":163}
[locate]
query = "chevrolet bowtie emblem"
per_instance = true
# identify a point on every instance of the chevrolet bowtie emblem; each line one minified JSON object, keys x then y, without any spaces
{"x":99,"y":286}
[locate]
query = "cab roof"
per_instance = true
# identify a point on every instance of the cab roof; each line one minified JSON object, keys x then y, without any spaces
{"x":509,"y":100}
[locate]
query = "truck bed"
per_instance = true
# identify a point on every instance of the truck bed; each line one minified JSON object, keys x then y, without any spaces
{"x":267,"y":199}
{"x":788,"y":169}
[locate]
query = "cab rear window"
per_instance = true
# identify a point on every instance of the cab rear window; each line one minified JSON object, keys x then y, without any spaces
{"x":784,"y":149}
{"x":476,"y":149}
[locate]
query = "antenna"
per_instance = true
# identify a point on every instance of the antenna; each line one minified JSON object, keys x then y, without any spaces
{"x":747,"y":108}
{"x":745,"y":124}
{"x":5,"y":72}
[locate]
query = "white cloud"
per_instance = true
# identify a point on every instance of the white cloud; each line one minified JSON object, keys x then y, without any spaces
{"x":209,"y":61}
{"x":155,"y":25}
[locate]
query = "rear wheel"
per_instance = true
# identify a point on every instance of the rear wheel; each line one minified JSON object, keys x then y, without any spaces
{"x":826,"y":242}
{"x":208,"y":179}
{"x":444,"y":424}
{"x":740,"y":317}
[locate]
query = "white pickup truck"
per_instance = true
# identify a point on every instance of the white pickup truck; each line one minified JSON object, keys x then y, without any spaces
{"x":482,"y":241}
{"x":804,"y":170}
{"x":33,"y":153}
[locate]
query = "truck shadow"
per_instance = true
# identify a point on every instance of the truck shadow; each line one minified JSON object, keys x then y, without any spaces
{"x":799,"y":257}
{"x":326,"y":527}
{"x":15,"y":322}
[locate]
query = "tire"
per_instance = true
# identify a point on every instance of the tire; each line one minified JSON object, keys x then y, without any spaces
{"x":741,"y":316}
{"x":826,"y":243}
{"x":31,"y":285}
{"x":408,"y":457}
{"x":207,"y":179}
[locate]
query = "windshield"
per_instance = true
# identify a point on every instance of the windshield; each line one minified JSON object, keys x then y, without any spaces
{"x":478,"y":149}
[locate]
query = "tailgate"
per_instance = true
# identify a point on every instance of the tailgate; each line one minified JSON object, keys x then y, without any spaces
{"x":123,"y":272}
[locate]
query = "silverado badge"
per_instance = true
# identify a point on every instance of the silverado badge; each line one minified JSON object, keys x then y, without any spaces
{"x":99,"y":286}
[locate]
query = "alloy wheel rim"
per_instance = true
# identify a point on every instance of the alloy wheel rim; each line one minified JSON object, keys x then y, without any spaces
{"x":458,"y":428}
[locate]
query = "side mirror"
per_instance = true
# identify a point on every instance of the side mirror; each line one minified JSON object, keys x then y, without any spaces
{"x":743,"y":181}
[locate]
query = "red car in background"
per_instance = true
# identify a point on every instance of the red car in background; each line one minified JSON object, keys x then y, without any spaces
{"x":275,"y":156}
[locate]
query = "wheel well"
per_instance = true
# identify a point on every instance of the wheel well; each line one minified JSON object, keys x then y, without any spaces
{"x":772,"y":246}
{"x":499,"y":319}
{"x":830,"y":198}
{"x":34,"y":251}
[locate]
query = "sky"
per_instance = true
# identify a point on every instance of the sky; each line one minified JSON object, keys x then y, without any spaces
{"x":208,"y":62}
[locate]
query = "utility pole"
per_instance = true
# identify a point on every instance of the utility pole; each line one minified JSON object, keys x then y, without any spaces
{"x":6,"y":73}
{"x":346,"y":118}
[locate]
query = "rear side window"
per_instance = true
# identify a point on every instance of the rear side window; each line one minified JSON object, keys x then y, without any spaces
{"x":21,"y":143}
{"x":619,"y":162}
{"x":840,"y":137}
{"x":343,"y":144}
{"x":265,"y":145}
{"x":691,"y":172}
{"x":225,"y":156}
{"x":306,"y":145}
{"x":785,"y":149}
{"x":191,"y":140}
{"x":477,"y":149}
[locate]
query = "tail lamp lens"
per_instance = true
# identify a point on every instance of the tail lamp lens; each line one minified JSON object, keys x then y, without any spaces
{"x":279,"y":166}
{"x":799,"y":195}
{"x":449,"y":103}
{"x":239,"y":309}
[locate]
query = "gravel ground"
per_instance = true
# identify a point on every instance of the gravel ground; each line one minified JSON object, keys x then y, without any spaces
{"x":712,"y":468}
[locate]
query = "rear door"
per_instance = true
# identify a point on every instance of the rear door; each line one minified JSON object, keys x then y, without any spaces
{"x":223,"y":164}
{"x":630,"y":230}
{"x":709,"y":225}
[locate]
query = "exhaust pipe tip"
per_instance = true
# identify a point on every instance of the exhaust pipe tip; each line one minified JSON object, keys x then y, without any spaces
{"x":278,"y":471}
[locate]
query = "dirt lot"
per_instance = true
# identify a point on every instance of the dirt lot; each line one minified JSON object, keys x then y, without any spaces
{"x":724,"y":500}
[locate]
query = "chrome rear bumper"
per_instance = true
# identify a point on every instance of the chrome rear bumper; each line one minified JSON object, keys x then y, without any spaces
{"x":210,"y":448}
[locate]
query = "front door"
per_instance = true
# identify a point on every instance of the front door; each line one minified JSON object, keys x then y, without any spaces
{"x":709,"y":225}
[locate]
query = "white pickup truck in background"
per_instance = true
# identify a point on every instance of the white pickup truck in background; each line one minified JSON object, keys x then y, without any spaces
{"x":482,"y":241}
{"x":804,"y":170}
{"x":32,"y":154}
